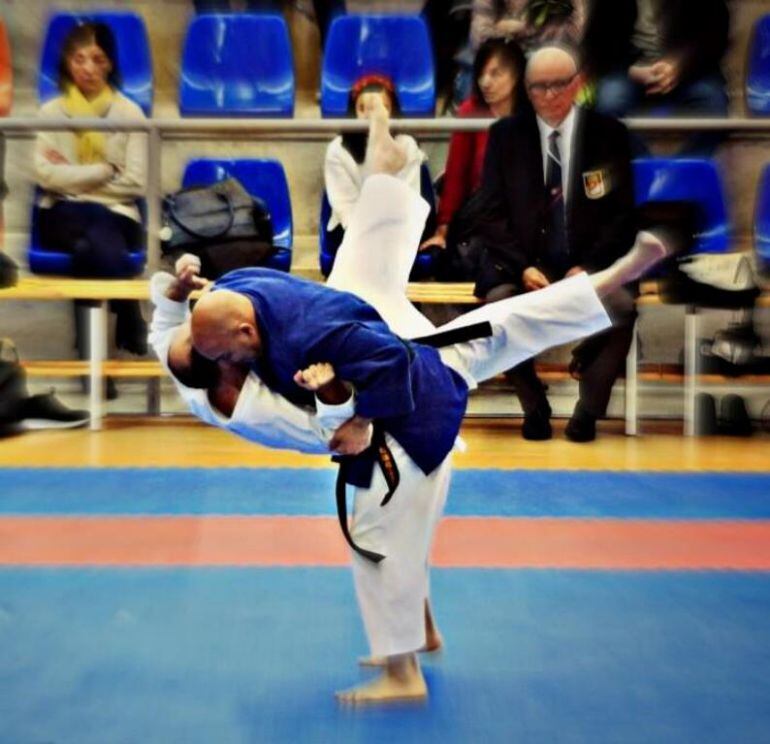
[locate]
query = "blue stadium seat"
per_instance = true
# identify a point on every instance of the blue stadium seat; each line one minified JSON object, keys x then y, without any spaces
{"x":688,"y":180}
{"x":762,"y":221}
{"x":423,"y":264}
{"x":237,"y":64}
{"x":60,"y":264}
{"x":394,"y":45}
{"x":758,"y":69}
{"x":133,"y":51}
{"x":264,"y":179}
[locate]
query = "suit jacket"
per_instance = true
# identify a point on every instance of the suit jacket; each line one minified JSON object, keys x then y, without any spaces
{"x":601,"y":214}
{"x":695,"y":30}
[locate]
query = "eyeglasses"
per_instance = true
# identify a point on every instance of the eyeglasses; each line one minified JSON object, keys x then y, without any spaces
{"x":557,"y":86}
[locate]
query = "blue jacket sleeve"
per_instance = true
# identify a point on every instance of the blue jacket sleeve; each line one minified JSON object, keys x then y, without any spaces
{"x":377,"y":364}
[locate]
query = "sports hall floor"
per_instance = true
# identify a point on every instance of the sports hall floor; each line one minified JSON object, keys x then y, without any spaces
{"x":164,"y":582}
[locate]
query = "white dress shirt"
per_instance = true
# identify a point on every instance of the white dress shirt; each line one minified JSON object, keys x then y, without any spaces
{"x":566,"y":141}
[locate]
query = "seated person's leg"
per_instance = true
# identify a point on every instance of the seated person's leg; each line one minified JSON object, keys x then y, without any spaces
{"x":63,"y":225}
{"x":104,"y":252}
{"x":110,"y":238}
{"x":706,"y":96}
{"x":617,"y":95}
{"x":601,"y":360}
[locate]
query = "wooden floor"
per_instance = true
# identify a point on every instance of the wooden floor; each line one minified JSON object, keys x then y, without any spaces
{"x":183,"y":442}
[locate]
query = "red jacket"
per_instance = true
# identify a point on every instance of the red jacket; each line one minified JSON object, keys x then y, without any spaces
{"x":465,"y":162}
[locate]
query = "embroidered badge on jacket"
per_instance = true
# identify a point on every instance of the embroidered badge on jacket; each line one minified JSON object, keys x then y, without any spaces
{"x":596,"y":183}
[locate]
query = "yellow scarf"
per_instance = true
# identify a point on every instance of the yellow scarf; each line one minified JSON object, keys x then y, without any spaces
{"x":90,"y":145}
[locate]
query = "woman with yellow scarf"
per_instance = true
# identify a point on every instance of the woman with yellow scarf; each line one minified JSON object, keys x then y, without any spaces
{"x":90,"y":181}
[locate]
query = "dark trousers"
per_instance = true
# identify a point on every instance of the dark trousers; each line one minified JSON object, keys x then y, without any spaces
{"x":617,"y":95}
{"x":599,"y":359}
{"x":100,"y":242}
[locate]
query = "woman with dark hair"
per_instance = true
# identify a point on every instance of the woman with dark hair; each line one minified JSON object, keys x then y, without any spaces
{"x":90,"y":180}
{"x":530,"y":23}
{"x":345,"y":166}
{"x":498,"y":90}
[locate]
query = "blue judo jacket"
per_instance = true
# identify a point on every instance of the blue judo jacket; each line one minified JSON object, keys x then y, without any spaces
{"x":403,"y":386}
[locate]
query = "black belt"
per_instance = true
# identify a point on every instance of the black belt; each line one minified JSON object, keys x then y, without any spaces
{"x":389,"y":469}
{"x":456,"y":335}
{"x":382,"y":452}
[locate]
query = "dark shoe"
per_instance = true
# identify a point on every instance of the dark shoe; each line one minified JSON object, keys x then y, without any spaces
{"x":537,"y":424}
{"x":47,"y":412}
{"x":581,"y":427}
{"x":706,"y":415}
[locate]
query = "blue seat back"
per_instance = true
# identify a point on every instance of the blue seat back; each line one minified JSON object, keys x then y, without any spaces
{"x":133,"y":52}
{"x":262,"y":178}
{"x":762,"y":221}
{"x":423,"y":263}
{"x":398,"y":46}
{"x":237,"y":64}
{"x":758,"y":69}
{"x":688,"y":180}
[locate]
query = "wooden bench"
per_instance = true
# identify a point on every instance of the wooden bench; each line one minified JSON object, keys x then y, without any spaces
{"x":100,"y":291}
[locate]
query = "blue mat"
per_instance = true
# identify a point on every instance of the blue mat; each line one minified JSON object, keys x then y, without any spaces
{"x":228,"y":655}
{"x":517,"y":493}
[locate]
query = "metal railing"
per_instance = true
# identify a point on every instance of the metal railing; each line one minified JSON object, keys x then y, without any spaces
{"x":175,"y":129}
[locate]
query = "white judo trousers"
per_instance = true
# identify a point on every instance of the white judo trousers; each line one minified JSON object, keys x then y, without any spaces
{"x":374,"y":262}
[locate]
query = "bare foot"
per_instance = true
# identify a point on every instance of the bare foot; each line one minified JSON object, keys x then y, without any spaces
{"x":401,"y":680}
{"x":383,"y":153}
{"x":647,"y":251}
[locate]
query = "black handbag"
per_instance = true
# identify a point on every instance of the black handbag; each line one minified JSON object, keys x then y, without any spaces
{"x":221,"y":223}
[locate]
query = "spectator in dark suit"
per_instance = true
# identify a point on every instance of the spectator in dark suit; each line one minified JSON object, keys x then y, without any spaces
{"x":656,"y":57}
{"x":559,"y":187}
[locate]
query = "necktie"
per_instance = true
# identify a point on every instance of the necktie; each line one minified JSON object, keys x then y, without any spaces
{"x":555,"y":228}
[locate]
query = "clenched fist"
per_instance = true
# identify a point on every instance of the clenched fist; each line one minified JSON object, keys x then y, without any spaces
{"x":315,"y":376}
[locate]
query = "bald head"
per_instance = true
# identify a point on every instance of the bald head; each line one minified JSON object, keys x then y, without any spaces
{"x":553,"y":82}
{"x":224,"y":327}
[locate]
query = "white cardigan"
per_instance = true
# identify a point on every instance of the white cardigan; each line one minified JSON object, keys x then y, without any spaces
{"x":344,"y":177}
{"x":97,"y":182}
